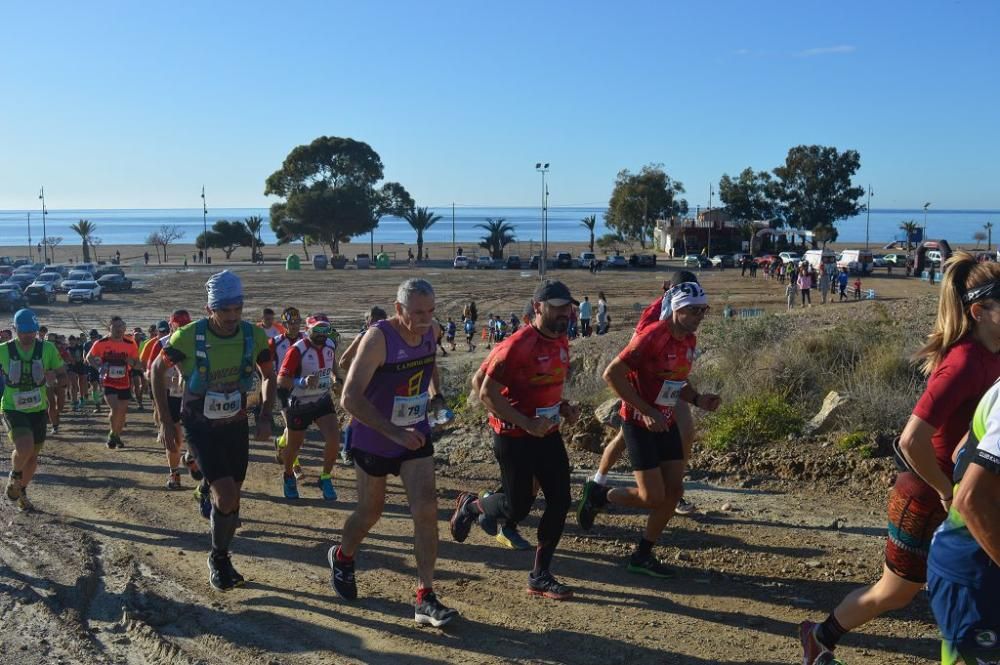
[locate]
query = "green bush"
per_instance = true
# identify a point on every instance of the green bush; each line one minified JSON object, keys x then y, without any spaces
{"x":752,"y":421}
{"x":854,"y":440}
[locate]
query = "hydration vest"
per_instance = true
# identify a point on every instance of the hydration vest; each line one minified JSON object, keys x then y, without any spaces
{"x":198,"y":382}
{"x":15,"y":370}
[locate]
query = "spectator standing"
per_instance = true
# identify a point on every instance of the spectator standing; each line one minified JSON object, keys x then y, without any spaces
{"x":824,"y":284}
{"x":586,"y":312}
{"x":804,"y":282}
{"x":842,"y":279}
{"x":857,"y":288}
{"x":602,"y":313}
{"x":790,"y":295}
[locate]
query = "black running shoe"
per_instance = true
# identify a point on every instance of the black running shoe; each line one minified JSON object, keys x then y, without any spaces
{"x":547,"y":586}
{"x":430,"y":611}
{"x":650,"y":566}
{"x":588,"y":508}
{"x":221,"y":573}
{"x":464,"y":516}
{"x":342,"y":576}
{"x":192,"y":465}
{"x":112,"y":441}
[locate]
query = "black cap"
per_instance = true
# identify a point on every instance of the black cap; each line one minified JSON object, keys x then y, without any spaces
{"x":94,"y":333}
{"x":554,"y":293}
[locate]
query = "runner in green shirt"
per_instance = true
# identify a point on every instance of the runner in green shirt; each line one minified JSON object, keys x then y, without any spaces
{"x":28,"y":367}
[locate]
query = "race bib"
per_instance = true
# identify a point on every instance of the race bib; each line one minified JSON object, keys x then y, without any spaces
{"x":408,"y":411}
{"x":175,"y":383}
{"x":670,"y":392}
{"x":223,"y":405}
{"x":116,"y":371}
{"x":548,"y":412}
{"x":325,"y":380}
{"x":27,"y":399}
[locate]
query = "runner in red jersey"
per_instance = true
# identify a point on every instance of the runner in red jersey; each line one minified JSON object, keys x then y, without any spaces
{"x":279,"y":345}
{"x":651,"y":376}
{"x":522,"y":391}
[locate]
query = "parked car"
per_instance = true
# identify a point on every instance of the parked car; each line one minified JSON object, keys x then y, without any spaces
{"x":934,"y":256}
{"x":764,"y":259}
{"x":108,"y":270}
{"x":461,"y":262}
{"x":114,"y":283}
{"x":617,"y":261}
{"x":696,"y":261}
{"x":878,"y":260}
{"x":645,"y":261}
{"x":11,"y":298}
{"x":27,"y":270}
{"x":87,"y":267}
{"x":86,"y":292}
{"x":790,"y":257}
{"x":53,"y":278}
{"x":76,"y":276}
{"x":895,"y":260}
{"x":564,"y":260}
{"x":858,"y":261}
{"x":485,"y":262}
{"x":22,"y":280}
{"x":60,"y":268}
{"x":721,"y":260}
{"x":585,"y":259}
{"x":821,"y":259}
{"x":535,"y":260}
{"x":513,"y":262}
{"x":5,"y":272}
{"x":40,"y":294}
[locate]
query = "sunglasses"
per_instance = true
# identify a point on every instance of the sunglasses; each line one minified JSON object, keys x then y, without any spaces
{"x":321,"y":329}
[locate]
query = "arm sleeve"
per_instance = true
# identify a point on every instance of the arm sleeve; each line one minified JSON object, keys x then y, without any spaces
{"x":949,"y":386}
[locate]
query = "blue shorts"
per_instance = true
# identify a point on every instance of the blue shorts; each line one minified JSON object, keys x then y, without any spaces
{"x":969,"y":620}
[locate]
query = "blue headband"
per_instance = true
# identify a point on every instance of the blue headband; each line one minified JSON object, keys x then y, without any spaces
{"x":224,"y":290}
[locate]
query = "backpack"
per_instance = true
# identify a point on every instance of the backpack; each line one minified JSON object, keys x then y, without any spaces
{"x":198,"y":383}
{"x":12,"y":372}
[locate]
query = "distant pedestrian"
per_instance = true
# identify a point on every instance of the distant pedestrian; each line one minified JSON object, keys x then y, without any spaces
{"x":602,"y":313}
{"x":450,"y":332}
{"x":753,"y":268}
{"x":842,"y":279}
{"x":201,"y":256}
{"x":931,"y":270}
{"x":586,"y":312}
{"x":857,"y":288}
{"x":743,"y":267}
{"x":804,"y":282}
{"x":185,"y":261}
{"x":118,"y":256}
{"x":146,"y":258}
{"x":470,"y":332}
{"x":824,"y":284}
{"x":790,"y":295}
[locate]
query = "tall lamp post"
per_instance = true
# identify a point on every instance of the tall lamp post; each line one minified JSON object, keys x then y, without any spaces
{"x":204,"y":223}
{"x":31,"y":248}
{"x":868,"y":217}
{"x":543,"y":168}
{"x":45,"y":235}
{"x":926,"y":206}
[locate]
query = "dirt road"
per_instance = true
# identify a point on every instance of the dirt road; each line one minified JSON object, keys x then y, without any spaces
{"x":112,"y":568}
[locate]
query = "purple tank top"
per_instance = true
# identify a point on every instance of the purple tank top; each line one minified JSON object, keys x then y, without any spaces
{"x":398,"y":390}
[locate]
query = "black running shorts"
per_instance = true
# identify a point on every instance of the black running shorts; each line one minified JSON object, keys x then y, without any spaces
{"x":298,"y":417}
{"x":378,"y":466}
{"x":648,"y":449}
{"x":121,"y":393}
{"x":174,"y":404}
{"x":221,"y":452}
{"x":20,"y":423}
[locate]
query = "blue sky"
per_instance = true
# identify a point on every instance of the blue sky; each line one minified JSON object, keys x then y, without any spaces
{"x":128,"y":104}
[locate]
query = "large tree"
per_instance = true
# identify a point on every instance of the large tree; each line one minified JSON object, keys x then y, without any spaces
{"x":909,"y":227}
{"x":227,"y":236}
{"x":420,"y":219}
{"x":254,"y":223}
{"x":499,"y":234}
{"x":749,"y":197}
{"x":85,"y":229}
{"x":330,"y":194}
{"x":590,"y":223}
{"x":814,"y":186}
{"x":639,"y":199}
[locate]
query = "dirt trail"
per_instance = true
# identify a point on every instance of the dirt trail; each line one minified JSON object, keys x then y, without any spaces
{"x":112,"y":567}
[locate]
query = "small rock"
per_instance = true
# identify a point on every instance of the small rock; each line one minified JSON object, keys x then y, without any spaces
{"x":727,"y":507}
{"x":813,"y":563}
{"x":683,"y":556}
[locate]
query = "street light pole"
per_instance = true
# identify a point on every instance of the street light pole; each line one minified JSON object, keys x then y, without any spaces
{"x":31,"y":249}
{"x":452,"y":230}
{"x":543,"y":168}
{"x":926,"y":206}
{"x":204,"y":223}
{"x":708,"y":250}
{"x":45,"y":236}
{"x":868,"y":218}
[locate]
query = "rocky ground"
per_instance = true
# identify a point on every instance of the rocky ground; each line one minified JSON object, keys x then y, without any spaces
{"x":111,"y":567}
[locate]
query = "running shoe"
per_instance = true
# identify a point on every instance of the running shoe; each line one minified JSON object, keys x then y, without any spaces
{"x":588,"y":509}
{"x":326,"y":486}
{"x":291,"y":488}
{"x":463,"y":517}
{"x":204,"y":498}
{"x":112,"y":441}
{"x":14,"y":488}
{"x":118,"y":441}
{"x":53,"y":430}
{"x":221,"y":573}
{"x":278,"y":447}
{"x":174,"y":483}
{"x":650,"y":566}
{"x":22,"y":501}
{"x":813,"y":652}
{"x":192,"y":465}
{"x":685,"y":507}
{"x":545,"y":585}
{"x":347,"y":457}
{"x":486,"y":522}
{"x":342,"y":575}
{"x":297,"y":470}
{"x":430,"y":611}
{"x":512,"y":539}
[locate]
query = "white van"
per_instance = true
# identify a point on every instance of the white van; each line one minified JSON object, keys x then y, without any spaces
{"x":859,"y":261}
{"x":821,"y":260}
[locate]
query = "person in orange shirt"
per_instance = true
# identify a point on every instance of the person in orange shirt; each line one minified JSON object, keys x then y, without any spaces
{"x":115,"y":356}
{"x":270,"y":326}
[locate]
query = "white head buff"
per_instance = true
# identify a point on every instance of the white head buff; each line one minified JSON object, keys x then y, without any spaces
{"x":687,"y":294}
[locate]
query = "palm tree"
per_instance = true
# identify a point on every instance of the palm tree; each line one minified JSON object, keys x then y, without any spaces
{"x":590,"y":223}
{"x":254,"y":223}
{"x":989,"y":235}
{"x":421,"y":220}
{"x":499,"y":234}
{"x":909,"y":227}
{"x":85,"y":229}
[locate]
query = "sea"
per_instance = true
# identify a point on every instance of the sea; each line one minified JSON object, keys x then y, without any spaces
{"x":132,"y":227}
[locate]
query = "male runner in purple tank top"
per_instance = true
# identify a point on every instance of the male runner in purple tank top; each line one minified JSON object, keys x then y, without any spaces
{"x":389,"y":388}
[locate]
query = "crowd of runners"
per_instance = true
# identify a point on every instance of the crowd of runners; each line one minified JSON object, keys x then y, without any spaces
{"x":206,"y":377}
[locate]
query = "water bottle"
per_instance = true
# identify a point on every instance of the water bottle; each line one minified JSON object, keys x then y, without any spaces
{"x":441,"y":417}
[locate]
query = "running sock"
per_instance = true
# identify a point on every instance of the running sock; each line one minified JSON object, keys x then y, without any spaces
{"x":281,"y":441}
{"x":325,"y":476}
{"x":422,"y":593}
{"x":223,"y":527}
{"x":829,"y":632}
{"x":601,"y":478}
{"x":543,"y":559}
{"x":644,"y":549}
